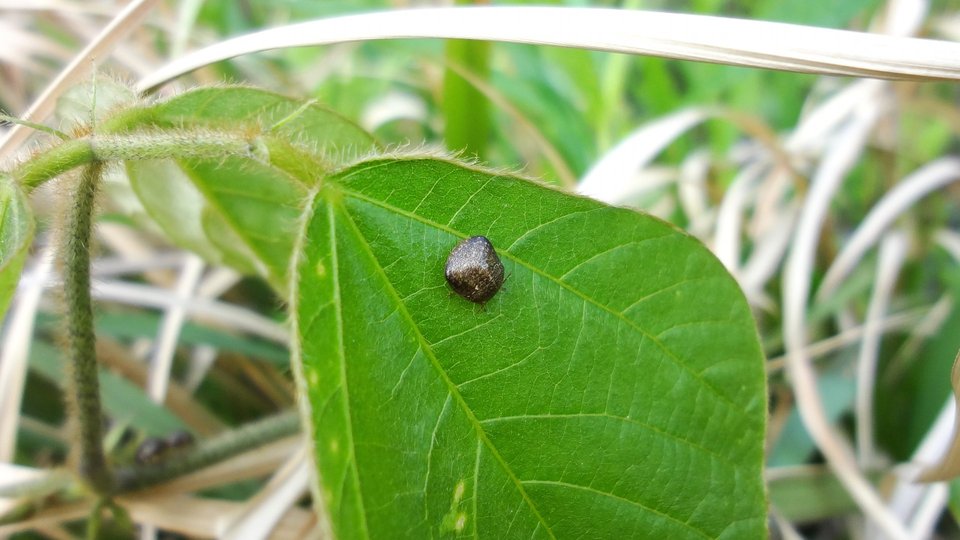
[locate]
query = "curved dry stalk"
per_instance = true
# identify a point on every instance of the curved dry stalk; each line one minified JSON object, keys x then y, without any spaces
{"x":903,"y":196}
{"x":156,"y":297}
{"x":16,"y":349}
{"x":920,"y":504}
{"x":671,"y":35}
{"x":726,"y":240}
{"x":893,"y":252}
{"x":692,"y":193}
{"x":261,"y":513}
{"x":904,"y":319}
{"x":767,"y":254}
{"x":611,"y":179}
{"x":796,"y":288}
{"x":124,"y":23}
{"x":169,"y":332}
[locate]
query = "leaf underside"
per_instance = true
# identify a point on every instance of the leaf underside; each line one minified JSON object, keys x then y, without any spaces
{"x":237,"y":210}
{"x":614,"y":386}
{"x":16,"y":234}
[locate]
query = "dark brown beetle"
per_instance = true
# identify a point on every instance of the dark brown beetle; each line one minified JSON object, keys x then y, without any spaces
{"x":474,"y":270}
{"x":151,"y":450}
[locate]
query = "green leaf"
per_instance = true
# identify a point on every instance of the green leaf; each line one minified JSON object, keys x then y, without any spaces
{"x":92,"y":101}
{"x":122,"y":399}
{"x":16,"y":234}
{"x":613,"y":387}
{"x":810,"y":494}
{"x":240,"y":211}
{"x":131,"y":325}
{"x":137,"y":324}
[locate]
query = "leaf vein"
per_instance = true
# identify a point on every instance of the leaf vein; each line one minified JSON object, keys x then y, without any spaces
{"x":650,"y":427}
{"x":343,"y":365}
{"x":467,"y":202}
{"x":537,"y":271}
{"x":428,"y":352}
{"x":637,"y":504}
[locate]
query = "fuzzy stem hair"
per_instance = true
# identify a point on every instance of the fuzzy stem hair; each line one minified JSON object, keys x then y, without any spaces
{"x":83,"y":386}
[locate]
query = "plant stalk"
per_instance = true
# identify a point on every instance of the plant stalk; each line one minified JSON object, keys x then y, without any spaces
{"x":132,"y":147}
{"x":208,"y":452}
{"x":83,"y":387}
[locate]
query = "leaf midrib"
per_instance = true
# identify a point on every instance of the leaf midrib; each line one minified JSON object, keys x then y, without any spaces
{"x":11,"y":211}
{"x":428,"y":352}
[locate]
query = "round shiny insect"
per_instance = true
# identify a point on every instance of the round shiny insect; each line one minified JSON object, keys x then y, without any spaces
{"x":474,"y":270}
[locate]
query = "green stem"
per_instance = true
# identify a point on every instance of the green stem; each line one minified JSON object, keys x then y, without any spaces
{"x":83,"y":388}
{"x":466,"y":109}
{"x":212,"y":451}
{"x":53,"y":162}
{"x":95,"y":523}
{"x":134,"y":146}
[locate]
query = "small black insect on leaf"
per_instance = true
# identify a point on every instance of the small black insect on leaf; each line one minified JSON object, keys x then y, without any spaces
{"x":474,"y":270}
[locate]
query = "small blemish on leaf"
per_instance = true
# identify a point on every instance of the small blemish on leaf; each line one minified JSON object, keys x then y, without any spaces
{"x":321,"y":269}
{"x":455,"y":519}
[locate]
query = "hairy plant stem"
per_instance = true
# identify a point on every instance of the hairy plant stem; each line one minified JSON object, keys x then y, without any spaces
{"x":133,"y":146}
{"x":208,"y":452}
{"x":83,"y":387}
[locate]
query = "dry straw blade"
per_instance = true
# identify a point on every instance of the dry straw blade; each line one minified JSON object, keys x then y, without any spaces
{"x":121,"y":25}
{"x":672,"y":35}
{"x":949,"y":466}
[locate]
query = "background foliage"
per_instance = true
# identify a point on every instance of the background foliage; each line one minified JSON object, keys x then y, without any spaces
{"x":554,"y":114}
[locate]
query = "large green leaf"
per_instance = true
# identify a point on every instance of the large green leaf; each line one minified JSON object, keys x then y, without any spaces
{"x":240,"y":211}
{"x":613,"y":387}
{"x":16,"y":233}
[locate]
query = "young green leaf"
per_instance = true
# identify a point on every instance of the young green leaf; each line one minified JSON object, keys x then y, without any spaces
{"x":16,"y":233}
{"x":613,"y":387}
{"x":240,"y":211}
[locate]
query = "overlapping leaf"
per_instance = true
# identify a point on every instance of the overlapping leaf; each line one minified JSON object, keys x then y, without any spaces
{"x":240,"y":211}
{"x":613,"y":387}
{"x":16,"y":233}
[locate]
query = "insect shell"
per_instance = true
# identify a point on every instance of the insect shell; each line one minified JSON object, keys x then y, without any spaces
{"x":474,"y":270}
{"x":151,"y":450}
{"x":179,"y":439}
{"x":154,"y":449}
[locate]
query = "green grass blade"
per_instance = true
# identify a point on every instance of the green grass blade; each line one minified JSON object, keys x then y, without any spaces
{"x":466,"y":109}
